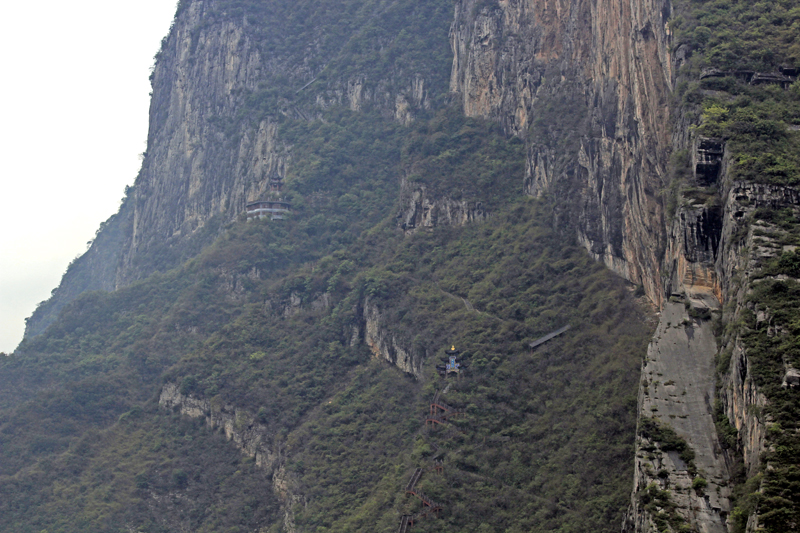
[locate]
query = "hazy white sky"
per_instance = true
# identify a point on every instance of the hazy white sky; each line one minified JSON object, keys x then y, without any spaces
{"x":75,"y":97}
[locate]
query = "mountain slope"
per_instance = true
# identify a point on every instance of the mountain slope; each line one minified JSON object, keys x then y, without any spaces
{"x":283,"y":335}
{"x":661,"y":136}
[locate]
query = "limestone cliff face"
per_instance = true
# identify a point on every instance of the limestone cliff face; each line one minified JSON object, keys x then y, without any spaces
{"x":356,"y":94}
{"x":373,"y":329}
{"x":746,"y":243}
{"x":239,"y":426}
{"x":203,"y":160}
{"x":252,"y":437}
{"x":678,"y":388}
{"x":213,"y":144}
{"x":586,"y":82}
{"x":420,"y":209}
{"x":693,"y":247}
{"x":192,"y":170}
{"x":714,"y":255}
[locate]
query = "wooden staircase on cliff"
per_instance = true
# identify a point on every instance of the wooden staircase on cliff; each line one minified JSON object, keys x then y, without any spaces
{"x":405,"y":524}
{"x":440,"y":412}
{"x":429,"y":506}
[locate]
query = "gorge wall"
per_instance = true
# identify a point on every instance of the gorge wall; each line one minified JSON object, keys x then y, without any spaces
{"x":203,"y":160}
{"x":223,"y":80}
{"x":585,"y":83}
{"x":588,"y":86}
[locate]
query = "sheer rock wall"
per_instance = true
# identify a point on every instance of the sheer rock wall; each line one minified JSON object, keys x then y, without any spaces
{"x":372,"y":328}
{"x":678,"y":388}
{"x":421,"y":209}
{"x":586,"y":82}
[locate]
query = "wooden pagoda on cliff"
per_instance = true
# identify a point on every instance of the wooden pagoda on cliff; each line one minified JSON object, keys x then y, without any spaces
{"x":272,"y":207}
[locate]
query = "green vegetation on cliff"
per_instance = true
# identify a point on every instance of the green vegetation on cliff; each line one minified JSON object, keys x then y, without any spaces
{"x":271,"y":320}
{"x":739,"y":85}
{"x":777,"y":496}
{"x":730,"y":44}
{"x":336,"y":44}
{"x":739,"y":34}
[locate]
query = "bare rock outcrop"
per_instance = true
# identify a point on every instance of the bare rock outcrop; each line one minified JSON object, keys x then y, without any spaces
{"x":241,"y":427}
{"x":251,"y":436}
{"x":587,"y":84}
{"x":196,"y":167}
{"x":747,"y":242}
{"x":678,"y":382}
{"x":421,"y":210}
{"x":191,"y":172}
{"x":715,"y":255}
{"x":403,"y":103}
{"x":691,"y":255}
{"x":373,"y":329}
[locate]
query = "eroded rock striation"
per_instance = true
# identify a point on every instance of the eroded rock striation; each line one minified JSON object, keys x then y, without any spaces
{"x":372,"y":328}
{"x":252,"y":437}
{"x":587,"y":84}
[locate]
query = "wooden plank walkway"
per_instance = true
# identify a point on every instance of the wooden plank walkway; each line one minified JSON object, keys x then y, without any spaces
{"x":436,"y":397}
{"x":542,"y":340}
{"x":414,"y":479}
{"x":440,"y":405}
{"x":405,"y":524}
{"x":439,"y":414}
{"x":427,"y":502}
